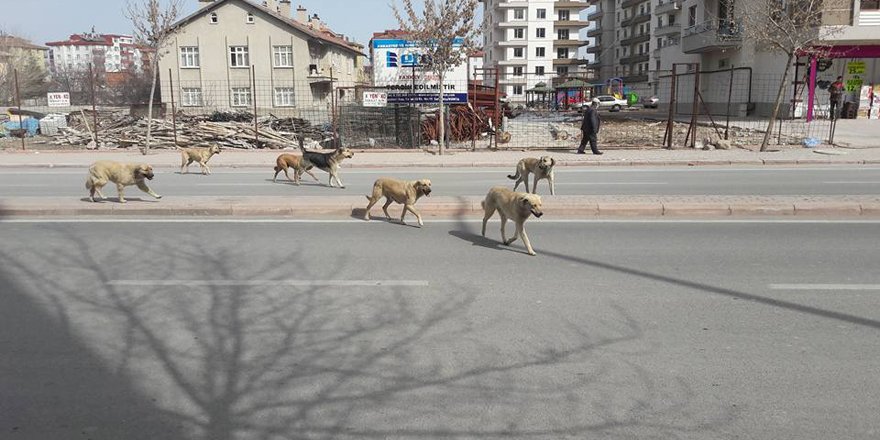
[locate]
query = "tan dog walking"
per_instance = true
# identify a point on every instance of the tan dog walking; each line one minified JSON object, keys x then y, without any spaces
{"x":512,"y":205}
{"x":197,"y":154}
{"x":286,"y":161}
{"x":398,"y":191}
{"x":105,"y":171}
{"x":541,"y":167}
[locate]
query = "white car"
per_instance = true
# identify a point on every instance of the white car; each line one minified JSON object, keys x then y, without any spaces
{"x":611,"y":103}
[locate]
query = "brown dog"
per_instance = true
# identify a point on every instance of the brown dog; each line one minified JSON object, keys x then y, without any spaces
{"x":104,"y":171}
{"x":541,"y":167}
{"x":328,"y":162}
{"x":197,"y":154}
{"x":516,"y":206}
{"x":399,"y":191}
{"x":286,"y":161}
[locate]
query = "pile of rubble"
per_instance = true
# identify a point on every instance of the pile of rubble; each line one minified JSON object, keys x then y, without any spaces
{"x":232,"y":130}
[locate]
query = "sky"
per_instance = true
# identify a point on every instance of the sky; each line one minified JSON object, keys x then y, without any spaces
{"x":52,"y":20}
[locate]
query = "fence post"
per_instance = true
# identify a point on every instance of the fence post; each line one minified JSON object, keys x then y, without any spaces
{"x":94,"y":108}
{"x":20,"y":116}
{"x":696,"y":106}
{"x":254,"y":99}
{"x":670,"y":125}
{"x":729,"y":96}
{"x":173,"y":110}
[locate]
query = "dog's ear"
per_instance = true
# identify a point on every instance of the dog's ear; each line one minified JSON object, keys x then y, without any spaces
{"x":523,"y":200}
{"x":552,"y":162}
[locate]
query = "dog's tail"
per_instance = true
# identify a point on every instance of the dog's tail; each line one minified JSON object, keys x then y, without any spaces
{"x":483,"y":204}
{"x":514,"y":176}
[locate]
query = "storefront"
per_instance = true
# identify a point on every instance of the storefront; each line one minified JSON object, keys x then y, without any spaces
{"x":859,"y":68}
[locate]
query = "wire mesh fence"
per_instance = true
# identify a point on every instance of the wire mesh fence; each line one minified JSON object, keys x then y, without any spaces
{"x":503,"y":108}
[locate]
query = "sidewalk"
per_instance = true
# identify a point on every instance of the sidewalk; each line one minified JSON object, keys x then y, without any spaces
{"x":346,"y":207}
{"x":418,"y":158}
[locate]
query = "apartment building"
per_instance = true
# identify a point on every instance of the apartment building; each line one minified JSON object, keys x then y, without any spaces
{"x":20,"y":50}
{"x":110,"y":53}
{"x":533,"y":41}
{"x":230,"y":53}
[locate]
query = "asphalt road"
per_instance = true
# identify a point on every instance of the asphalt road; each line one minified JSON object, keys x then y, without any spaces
{"x":844,"y":180}
{"x":350,"y":330}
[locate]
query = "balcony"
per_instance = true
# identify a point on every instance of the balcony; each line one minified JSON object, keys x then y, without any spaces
{"x":638,"y":19}
{"x":512,"y":79}
{"x":667,"y":6}
{"x":711,"y":36}
{"x":629,"y":3}
{"x":667,"y":30}
{"x":513,"y":62}
{"x":635,"y":59}
{"x":513,"y":23}
{"x":594,"y":49}
{"x":636,"y":39}
{"x":629,"y":79}
{"x":567,"y":62}
{"x":566,"y":4}
{"x":568,"y":43}
{"x":571,"y":23}
{"x":596,"y":16}
{"x":513,"y":4}
{"x":514,"y":43}
{"x":594,"y":32}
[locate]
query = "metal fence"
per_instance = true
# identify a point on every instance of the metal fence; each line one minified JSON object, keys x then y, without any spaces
{"x":501,"y":110}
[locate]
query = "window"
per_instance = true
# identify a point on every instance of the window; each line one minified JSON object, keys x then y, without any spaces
{"x":214,"y":18}
{"x":517,"y":90}
{"x":542,"y":14}
{"x":517,"y":71}
{"x":562,"y":53}
{"x":870,"y":5}
{"x":517,"y":52}
{"x":670,"y":19}
{"x":564,"y":15}
{"x":284,"y":96}
{"x":562,"y":34}
{"x":724,"y":63}
{"x":238,"y":56}
{"x":562,"y":70}
{"x":660,"y":21}
{"x":241,"y":96}
{"x":283,"y":56}
{"x":539,"y":70}
{"x":539,"y":52}
{"x":189,"y":57}
{"x":692,"y":16}
{"x":519,"y":33}
{"x":250,"y":18}
{"x":540,"y":32}
{"x":519,"y":14}
{"x":192,"y":97}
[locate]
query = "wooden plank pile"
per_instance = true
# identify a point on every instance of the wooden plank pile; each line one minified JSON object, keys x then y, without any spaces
{"x":464,"y":124}
{"x":115,"y":130}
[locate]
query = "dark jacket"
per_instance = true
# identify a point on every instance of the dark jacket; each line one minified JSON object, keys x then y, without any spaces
{"x":591,"y":121}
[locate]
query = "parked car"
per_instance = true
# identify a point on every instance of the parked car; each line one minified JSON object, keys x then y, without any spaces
{"x":611,"y":103}
{"x":651,"y":102}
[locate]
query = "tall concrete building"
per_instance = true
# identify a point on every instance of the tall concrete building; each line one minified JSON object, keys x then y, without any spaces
{"x":533,"y":41}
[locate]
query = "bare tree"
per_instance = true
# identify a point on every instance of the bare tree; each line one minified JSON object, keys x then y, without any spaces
{"x":445,"y":31}
{"x":17,"y":54}
{"x":153,"y":27}
{"x":793,"y":28}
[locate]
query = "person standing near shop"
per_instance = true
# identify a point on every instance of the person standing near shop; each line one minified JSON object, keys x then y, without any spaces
{"x":836,"y":91}
{"x":590,"y":128}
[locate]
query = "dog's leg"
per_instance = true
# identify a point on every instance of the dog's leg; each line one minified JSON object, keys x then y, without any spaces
{"x":121,"y":190}
{"x":518,"y":181}
{"x":385,"y":208}
{"x":182,"y":162}
{"x":98,"y":187}
{"x":278,"y":170}
{"x":207,"y":168}
{"x":297,"y":175}
{"x":552,"y":185}
{"x":412,"y":210}
{"x":370,"y":202}
{"x":143,"y":187}
{"x":91,"y":187}
{"x":521,"y":230}
{"x":534,"y":185}
{"x":504,"y":230}
{"x":336,"y":176}
{"x":313,"y":176}
{"x":489,"y":212}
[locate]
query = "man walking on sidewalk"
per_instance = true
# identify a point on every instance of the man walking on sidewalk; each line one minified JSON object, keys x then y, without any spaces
{"x":590,"y":128}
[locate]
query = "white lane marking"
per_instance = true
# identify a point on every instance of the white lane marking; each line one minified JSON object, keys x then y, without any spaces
{"x":608,"y":183}
{"x":853,"y":182}
{"x":25,"y":185}
{"x":427,"y":221}
{"x":234,"y":184}
{"x":260,"y":283}
{"x":824,"y":286}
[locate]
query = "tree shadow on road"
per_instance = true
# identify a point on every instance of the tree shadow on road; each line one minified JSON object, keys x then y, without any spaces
{"x":228,"y":359}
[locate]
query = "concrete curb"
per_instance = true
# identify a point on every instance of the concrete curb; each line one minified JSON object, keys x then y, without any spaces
{"x":347,"y":206}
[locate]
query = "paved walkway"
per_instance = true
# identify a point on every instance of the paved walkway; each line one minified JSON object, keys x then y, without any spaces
{"x":409,"y":158}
